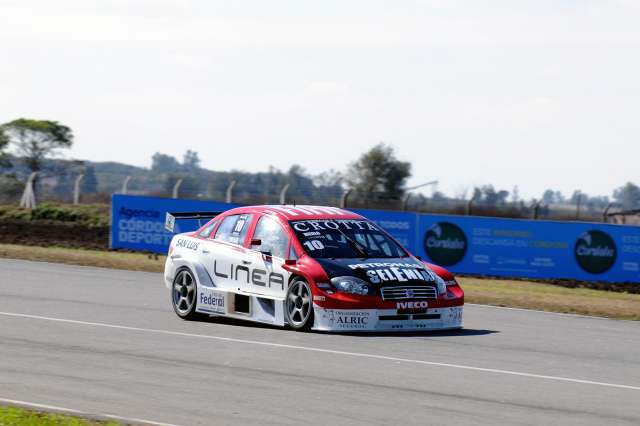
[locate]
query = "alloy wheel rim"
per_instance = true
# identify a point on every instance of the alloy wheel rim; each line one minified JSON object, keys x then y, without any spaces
{"x":184,"y":293}
{"x":299,"y":303}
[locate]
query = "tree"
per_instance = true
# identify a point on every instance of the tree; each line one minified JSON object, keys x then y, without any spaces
{"x":552,"y":197}
{"x":628,"y":196}
{"x":515,"y":194}
{"x":36,"y":139}
{"x":4,"y":141}
{"x":191,"y":160}
{"x":331,"y":177}
{"x":163,"y":163}
{"x":487,"y":194}
{"x":378,"y":170}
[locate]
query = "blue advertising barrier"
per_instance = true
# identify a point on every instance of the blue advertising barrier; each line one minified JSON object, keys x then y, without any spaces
{"x":463,"y":244}
{"x":137,"y":223}
{"x":531,"y":249}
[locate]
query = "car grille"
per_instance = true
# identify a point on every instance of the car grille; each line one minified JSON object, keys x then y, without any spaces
{"x":399,"y":293}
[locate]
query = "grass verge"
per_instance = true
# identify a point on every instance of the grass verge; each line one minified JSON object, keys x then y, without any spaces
{"x":13,"y":416}
{"x":553,"y":298}
{"x":509,"y":293}
{"x":104,"y":259}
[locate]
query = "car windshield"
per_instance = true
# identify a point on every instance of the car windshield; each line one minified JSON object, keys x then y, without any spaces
{"x":345,"y":239}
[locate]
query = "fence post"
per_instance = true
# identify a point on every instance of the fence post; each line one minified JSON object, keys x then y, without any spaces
{"x":405,"y":201}
{"x":28,"y":200}
{"x":125,"y":185}
{"x":605,"y":213}
{"x":578,"y":205}
{"x":283,"y":194}
{"x":229,"y":197}
{"x":76,"y":189}
{"x":467,"y":210}
{"x":176,"y":188}
{"x":343,"y":198}
{"x":536,"y":209}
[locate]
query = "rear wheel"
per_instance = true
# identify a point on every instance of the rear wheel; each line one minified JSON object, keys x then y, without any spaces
{"x":299,"y":305}
{"x":183,"y":294}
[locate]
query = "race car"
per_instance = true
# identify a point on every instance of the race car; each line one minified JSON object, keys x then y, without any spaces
{"x":306,"y":267}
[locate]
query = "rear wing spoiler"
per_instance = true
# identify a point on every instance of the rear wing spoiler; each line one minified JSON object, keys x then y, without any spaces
{"x":170,"y":220}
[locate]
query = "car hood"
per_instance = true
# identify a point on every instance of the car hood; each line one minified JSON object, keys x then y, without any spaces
{"x":386,"y":271}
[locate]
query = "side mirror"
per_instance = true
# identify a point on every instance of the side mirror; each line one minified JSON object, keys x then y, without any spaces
{"x":290,"y":262}
{"x":256,"y":242}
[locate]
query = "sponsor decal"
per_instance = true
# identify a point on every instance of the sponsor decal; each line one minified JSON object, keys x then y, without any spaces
{"x":378,"y":272}
{"x":319,"y":298}
{"x":211,"y":301}
{"x":241,"y":273}
{"x":323,"y":225}
{"x":595,"y":251}
{"x":384,"y":265}
{"x":347,"y":319}
{"x":188,"y":244}
{"x":445,"y":243}
{"x":376,"y":276}
{"x":412,"y":305}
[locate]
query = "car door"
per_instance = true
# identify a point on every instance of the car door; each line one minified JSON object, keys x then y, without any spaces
{"x":269,"y":278}
{"x":228,"y":260}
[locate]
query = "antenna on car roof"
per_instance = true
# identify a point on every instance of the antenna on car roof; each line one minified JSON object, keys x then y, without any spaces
{"x":294,"y":203}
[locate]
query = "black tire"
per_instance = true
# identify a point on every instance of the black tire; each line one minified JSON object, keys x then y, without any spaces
{"x":184,"y":294}
{"x":298,"y":307}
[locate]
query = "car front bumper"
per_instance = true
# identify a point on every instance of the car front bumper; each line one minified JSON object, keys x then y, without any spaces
{"x":354,"y":320}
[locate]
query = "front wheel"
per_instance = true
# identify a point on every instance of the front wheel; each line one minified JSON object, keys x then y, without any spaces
{"x":299,"y":305}
{"x":183,"y":294}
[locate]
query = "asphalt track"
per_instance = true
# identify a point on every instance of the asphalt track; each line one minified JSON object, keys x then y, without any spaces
{"x":107,"y":342}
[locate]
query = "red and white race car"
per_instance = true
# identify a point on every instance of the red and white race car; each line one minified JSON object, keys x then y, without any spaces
{"x":307,"y":267}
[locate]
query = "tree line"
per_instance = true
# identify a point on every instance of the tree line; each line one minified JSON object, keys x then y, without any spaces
{"x":375,"y":176}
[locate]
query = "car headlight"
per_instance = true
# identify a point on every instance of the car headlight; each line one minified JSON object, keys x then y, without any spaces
{"x":352,"y":285}
{"x":442,"y":286}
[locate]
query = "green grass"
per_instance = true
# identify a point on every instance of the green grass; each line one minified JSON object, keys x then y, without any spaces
{"x":13,"y":416}
{"x":550,"y":297}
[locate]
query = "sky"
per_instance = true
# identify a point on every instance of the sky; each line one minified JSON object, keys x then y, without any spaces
{"x":539,"y":94}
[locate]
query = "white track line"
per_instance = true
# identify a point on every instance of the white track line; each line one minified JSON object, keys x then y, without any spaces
{"x":328,"y":351}
{"x":63,"y":410}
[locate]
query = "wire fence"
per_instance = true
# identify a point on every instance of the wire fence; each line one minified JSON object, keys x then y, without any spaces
{"x":48,"y":187}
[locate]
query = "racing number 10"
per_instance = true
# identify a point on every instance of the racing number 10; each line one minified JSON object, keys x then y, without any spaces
{"x":314,"y":245}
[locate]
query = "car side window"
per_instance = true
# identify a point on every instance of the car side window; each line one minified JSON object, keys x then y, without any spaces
{"x":207,"y":230}
{"x":233,"y":229}
{"x":274,"y":239}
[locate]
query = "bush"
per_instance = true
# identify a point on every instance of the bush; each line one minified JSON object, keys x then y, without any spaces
{"x":90,"y":215}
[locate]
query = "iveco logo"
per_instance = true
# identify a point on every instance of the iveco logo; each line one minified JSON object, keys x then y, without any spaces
{"x":412,"y":305}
